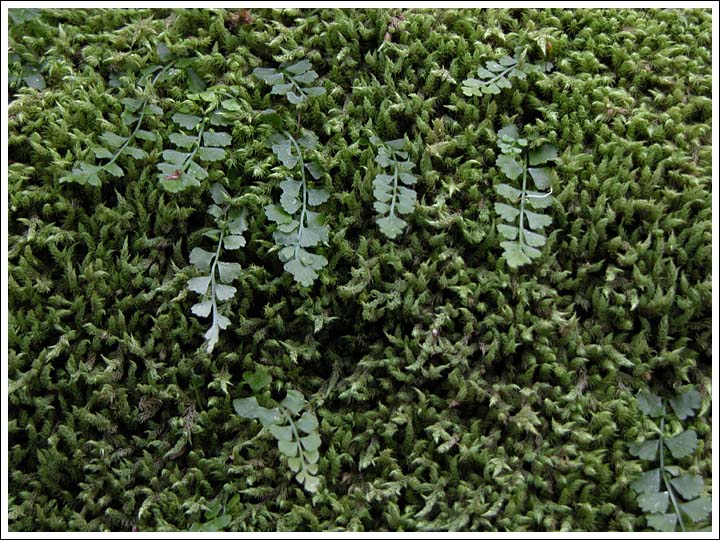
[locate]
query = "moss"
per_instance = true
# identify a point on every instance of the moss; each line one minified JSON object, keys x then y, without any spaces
{"x":515,"y":416}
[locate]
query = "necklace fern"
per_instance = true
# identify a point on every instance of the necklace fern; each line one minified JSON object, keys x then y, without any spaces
{"x":298,"y":227}
{"x":669,"y":484}
{"x":115,"y":146}
{"x":521,"y":244}
{"x":297,"y":438}
{"x":496,"y":75}
{"x":136,"y":110}
{"x":182,"y":169}
{"x":291,"y":80}
{"x":391,"y":198}
{"x":214,"y":285}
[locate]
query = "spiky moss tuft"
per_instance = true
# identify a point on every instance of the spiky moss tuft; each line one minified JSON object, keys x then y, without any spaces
{"x":513,"y":415}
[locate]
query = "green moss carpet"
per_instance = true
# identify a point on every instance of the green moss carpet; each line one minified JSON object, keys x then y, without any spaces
{"x":453,"y":392}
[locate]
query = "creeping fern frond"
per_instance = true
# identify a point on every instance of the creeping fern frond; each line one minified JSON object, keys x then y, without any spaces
{"x":496,"y":75}
{"x":183,"y":66}
{"x":298,"y":227}
{"x":182,"y":169}
{"x":391,"y":198}
{"x":214,"y":284}
{"x":216,"y":518}
{"x":297,"y":438}
{"x":521,"y":244}
{"x":136,"y":110}
{"x":655,"y":488}
{"x":291,"y":80}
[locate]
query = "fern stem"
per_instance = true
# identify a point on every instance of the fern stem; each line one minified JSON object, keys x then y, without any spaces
{"x":130,"y":138}
{"x":142,"y":115}
{"x":198,"y":142}
{"x":301,"y":228}
{"x":163,"y":70}
{"x":296,"y":434}
{"x":521,"y":227}
{"x":497,"y":77}
{"x":212,"y":276}
{"x":300,"y":90}
{"x":395,"y":186}
{"x":664,"y":473}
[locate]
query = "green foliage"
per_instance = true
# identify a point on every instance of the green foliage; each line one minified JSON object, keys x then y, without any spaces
{"x":87,"y":173}
{"x":179,"y":170}
{"x":182,"y":168}
{"x":291,"y":80}
{"x":522,"y":244}
{"x":655,"y":488}
{"x":496,"y":75}
{"x":214,"y":283}
{"x":258,"y":379}
{"x":183,"y":66}
{"x":298,"y":227}
{"x":452,"y":396}
{"x":27,"y":72}
{"x":24,"y":69}
{"x":22,"y":15}
{"x":392,"y":199}
{"x":115,"y":146}
{"x":216,"y":518}
{"x":297,"y":437}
